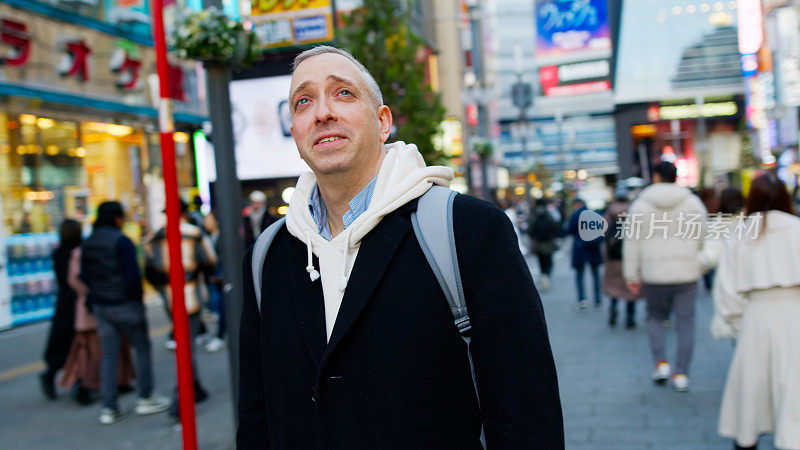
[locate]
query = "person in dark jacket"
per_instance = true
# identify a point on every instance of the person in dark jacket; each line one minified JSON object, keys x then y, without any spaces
{"x":61,"y":329}
{"x":354,"y":345}
{"x":544,"y":230}
{"x":583,"y":253}
{"x":110,"y":271}
{"x":257,"y":218}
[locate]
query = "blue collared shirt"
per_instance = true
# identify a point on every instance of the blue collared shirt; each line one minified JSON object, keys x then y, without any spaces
{"x":358,"y":205}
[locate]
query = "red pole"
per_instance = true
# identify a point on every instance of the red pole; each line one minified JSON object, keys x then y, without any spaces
{"x":176,"y":275}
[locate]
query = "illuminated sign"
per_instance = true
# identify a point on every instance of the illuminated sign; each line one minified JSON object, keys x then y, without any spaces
{"x":575,"y":79}
{"x":751,"y":33}
{"x":695,"y":111}
{"x":292,"y":22}
{"x":568,"y":26}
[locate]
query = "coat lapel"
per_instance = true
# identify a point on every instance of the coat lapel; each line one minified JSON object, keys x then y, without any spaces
{"x":308,"y":303}
{"x":377,"y":250}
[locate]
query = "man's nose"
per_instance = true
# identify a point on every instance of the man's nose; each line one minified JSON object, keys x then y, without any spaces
{"x":324,"y":111}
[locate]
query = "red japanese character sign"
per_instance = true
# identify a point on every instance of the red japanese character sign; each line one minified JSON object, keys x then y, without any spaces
{"x":16,"y":35}
{"x":176,"y":89}
{"x":75,"y":62}
{"x":128,"y":69}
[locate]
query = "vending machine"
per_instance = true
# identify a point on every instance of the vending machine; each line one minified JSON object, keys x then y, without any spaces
{"x":31,"y":276}
{"x":5,"y":291}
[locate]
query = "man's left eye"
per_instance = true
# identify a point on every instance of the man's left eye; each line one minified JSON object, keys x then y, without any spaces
{"x":345,"y":92}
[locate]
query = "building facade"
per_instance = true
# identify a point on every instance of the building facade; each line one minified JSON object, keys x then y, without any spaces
{"x":78,"y":126}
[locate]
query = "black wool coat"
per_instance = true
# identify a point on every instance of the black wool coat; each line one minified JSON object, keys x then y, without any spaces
{"x":395,"y":374}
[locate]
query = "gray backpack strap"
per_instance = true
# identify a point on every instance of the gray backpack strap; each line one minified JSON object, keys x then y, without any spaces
{"x":260,"y":250}
{"x":433,"y":226}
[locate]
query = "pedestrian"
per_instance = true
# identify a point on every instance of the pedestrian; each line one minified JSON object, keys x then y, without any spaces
{"x":660,"y":252}
{"x":584,"y":252}
{"x":613,"y":282}
{"x":257,"y":219}
{"x":82,"y":369}
{"x":543,"y":230}
{"x":513,"y":217}
{"x":757,"y":301}
{"x":110,"y":271}
{"x":214,"y":281}
{"x":721,"y":227}
{"x":353,"y":344}
{"x":199,"y":259}
{"x":711,"y":202}
{"x":61,"y":325}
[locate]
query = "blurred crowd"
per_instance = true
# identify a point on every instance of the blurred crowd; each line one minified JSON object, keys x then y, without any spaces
{"x":663,"y":242}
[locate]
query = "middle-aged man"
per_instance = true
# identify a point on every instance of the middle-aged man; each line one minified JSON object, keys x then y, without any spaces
{"x":257,"y":219}
{"x":660,"y":251}
{"x":355,"y":345}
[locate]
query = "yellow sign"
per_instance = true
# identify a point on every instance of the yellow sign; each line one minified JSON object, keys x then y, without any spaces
{"x":282,"y":23}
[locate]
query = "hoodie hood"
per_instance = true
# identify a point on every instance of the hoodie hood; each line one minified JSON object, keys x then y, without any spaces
{"x":665,"y":196}
{"x":402,"y":177}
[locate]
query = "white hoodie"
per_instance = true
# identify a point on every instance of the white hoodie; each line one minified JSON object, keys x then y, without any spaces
{"x":671,"y":210}
{"x":403,"y":177}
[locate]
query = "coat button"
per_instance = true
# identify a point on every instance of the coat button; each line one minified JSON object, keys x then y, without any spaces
{"x":314,"y":395}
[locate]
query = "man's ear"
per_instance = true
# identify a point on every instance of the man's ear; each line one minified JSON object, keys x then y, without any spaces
{"x":385,"y":119}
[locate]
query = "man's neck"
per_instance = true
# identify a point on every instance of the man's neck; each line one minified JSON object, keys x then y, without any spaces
{"x":338,"y":190}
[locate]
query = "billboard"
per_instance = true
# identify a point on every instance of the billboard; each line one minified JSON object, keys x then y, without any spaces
{"x":292,"y":22}
{"x":571,"y":26}
{"x":586,"y":77}
{"x":261,"y":123}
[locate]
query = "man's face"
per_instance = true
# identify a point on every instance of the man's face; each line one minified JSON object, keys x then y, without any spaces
{"x":336,"y":124}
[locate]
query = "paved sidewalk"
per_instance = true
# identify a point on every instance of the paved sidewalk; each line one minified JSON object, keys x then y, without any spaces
{"x":28,"y":421}
{"x":608,"y":398}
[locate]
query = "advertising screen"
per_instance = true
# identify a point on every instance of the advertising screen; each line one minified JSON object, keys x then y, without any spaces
{"x":569,"y":26}
{"x":261,"y":120}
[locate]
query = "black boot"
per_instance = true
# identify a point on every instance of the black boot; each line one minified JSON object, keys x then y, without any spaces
{"x":200,"y":394}
{"x":46,"y":382}
{"x":83,"y":396}
{"x":612,"y":318}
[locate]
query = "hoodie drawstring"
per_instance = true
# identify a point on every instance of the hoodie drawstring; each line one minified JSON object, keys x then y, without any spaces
{"x":344,"y":279}
{"x":312,"y":272}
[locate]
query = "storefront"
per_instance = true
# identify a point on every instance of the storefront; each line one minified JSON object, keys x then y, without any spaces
{"x":77,"y":127}
{"x":701,"y":137}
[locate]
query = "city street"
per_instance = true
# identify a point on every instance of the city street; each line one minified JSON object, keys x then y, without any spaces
{"x":608,"y":399}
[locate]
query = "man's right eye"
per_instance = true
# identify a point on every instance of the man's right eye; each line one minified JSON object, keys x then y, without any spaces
{"x":301,"y":101}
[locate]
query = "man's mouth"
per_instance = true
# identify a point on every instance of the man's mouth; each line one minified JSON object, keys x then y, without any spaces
{"x":328,"y":139}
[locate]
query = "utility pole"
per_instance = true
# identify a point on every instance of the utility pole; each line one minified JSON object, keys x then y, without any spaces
{"x":522,"y":97}
{"x":228,"y":194}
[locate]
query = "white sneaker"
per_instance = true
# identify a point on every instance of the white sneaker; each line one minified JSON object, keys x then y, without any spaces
{"x":680,"y":382}
{"x":109,"y":416}
{"x":151,"y":405}
{"x":661,"y":372}
{"x":545,"y":283}
{"x":170,"y":344}
{"x":215,"y":344}
{"x":201,"y":340}
{"x":583,"y":304}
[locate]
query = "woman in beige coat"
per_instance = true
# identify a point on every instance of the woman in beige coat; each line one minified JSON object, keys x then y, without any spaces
{"x":757,"y":300}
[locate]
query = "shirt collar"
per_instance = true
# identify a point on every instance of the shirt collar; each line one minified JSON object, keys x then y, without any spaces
{"x":358,"y":205}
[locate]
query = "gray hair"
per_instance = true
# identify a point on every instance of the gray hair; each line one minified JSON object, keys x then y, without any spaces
{"x":372,"y":85}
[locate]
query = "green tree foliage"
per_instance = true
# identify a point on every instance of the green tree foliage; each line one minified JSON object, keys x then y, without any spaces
{"x":378,"y":35}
